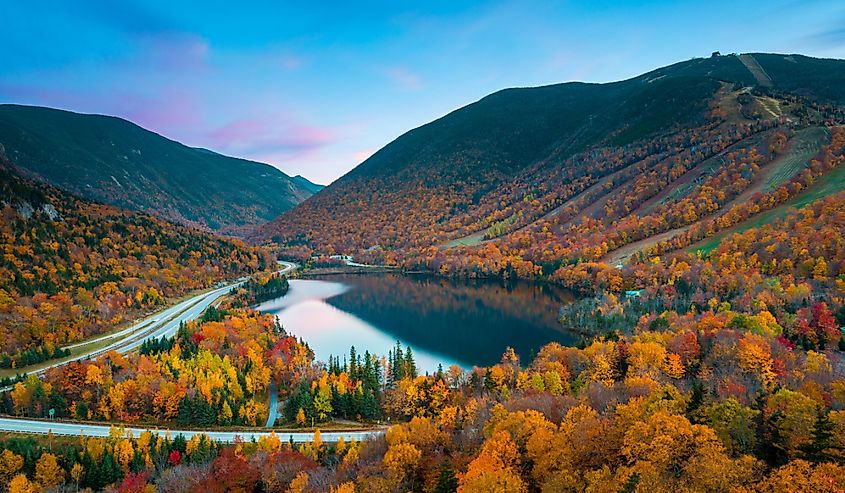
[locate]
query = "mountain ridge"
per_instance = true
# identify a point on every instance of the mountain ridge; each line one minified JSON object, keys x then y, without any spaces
{"x":500,"y":165}
{"x":112,"y":160}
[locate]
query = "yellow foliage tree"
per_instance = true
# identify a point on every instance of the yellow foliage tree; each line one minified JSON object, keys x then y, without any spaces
{"x":495,"y":469}
{"x":10,"y":464}
{"x":299,"y":483}
{"x":20,"y":484}
{"x":48,"y":473}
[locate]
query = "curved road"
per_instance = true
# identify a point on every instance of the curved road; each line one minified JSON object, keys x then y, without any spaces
{"x":166,"y":323}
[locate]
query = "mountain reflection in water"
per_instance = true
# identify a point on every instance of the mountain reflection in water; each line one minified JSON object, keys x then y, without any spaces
{"x":445,"y":321}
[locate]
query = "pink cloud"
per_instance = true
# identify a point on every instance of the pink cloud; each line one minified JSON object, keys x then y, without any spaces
{"x":169,"y":113}
{"x":362,"y":155}
{"x":269,"y":135}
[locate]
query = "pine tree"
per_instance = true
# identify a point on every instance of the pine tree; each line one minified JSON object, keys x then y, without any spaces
{"x":398,"y":363}
{"x":388,"y":377}
{"x":410,"y":364}
{"x":775,"y":450}
{"x":822,"y":446}
{"x":446,"y":482}
{"x":353,"y":363}
{"x":367,"y":372}
{"x":185,"y":414}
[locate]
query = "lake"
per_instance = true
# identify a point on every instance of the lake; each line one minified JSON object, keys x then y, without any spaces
{"x":445,"y":321}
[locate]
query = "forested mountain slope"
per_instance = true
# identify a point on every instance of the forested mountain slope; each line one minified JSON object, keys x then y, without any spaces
{"x":531,"y":180}
{"x":111,"y":160}
{"x":71,"y":268}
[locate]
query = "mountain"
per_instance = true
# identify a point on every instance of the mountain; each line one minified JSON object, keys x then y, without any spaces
{"x":73,"y":268}
{"x":114,"y":161}
{"x":307,"y":185}
{"x":533,"y":179}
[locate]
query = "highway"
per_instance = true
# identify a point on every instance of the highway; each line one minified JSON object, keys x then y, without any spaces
{"x":166,"y":323}
{"x":42,"y":427}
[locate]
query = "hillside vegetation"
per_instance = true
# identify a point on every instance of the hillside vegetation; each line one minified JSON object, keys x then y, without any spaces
{"x":111,"y":160}
{"x":71,"y":268}
{"x":529,"y":182}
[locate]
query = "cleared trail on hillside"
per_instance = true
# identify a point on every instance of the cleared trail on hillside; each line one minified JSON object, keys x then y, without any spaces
{"x":756,"y":70}
{"x":687,"y":182}
{"x":593,"y":197}
{"x":806,"y":144}
{"x":830,"y":184}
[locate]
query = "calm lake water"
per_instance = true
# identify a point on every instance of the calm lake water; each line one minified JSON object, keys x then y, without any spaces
{"x":445,"y":321}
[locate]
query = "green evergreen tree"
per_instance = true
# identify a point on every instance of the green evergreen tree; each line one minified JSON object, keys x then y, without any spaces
{"x":353,"y":363}
{"x":398,"y":363}
{"x":410,"y":364}
{"x":446,"y":481}
{"x":822,"y":446}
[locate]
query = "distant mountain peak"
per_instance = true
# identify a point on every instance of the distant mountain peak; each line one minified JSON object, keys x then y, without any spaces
{"x":112,"y":160}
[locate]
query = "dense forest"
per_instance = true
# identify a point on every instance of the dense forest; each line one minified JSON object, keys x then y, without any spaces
{"x":723,"y":374}
{"x":72,"y":268}
{"x":261,"y":288}
{"x":213,"y":372}
{"x":111,"y":160}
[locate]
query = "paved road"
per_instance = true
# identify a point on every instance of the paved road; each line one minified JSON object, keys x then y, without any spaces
{"x":273,"y":414}
{"x":164,"y":323}
{"x":77,"y":429}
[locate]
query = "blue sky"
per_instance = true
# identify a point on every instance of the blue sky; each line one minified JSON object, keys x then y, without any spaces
{"x":315,"y":87}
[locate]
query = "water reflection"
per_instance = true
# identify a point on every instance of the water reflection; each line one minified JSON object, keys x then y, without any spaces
{"x":445,"y":321}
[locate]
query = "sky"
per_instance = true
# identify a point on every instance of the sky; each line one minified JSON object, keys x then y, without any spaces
{"x":314,"y":88}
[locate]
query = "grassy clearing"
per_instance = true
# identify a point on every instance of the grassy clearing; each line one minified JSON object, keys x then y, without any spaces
{"x":806,"y":144}
{"x":827,"y":185}
{"x":466,"y":241}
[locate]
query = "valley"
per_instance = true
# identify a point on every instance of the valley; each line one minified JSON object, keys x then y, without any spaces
{"x":628,"y":286}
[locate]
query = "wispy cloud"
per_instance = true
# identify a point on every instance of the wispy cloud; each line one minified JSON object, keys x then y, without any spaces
{"x":832,"y":37}
{"x":269,"y":135}
{"x":166,"y":112}
{"x":290,"y":62}
{"x":179,"y":52}
{"x":405,"y":78}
